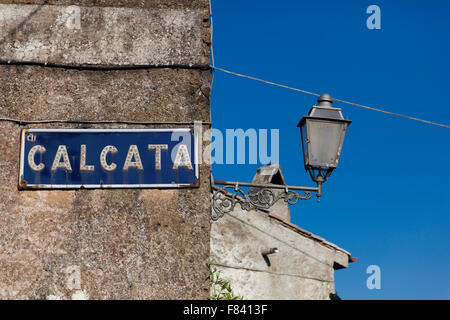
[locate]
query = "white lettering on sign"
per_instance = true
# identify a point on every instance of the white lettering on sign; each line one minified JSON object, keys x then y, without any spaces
{"x":83,"y":165}
{"x":158,"y":148}
{"x":65,"y":164}
{"x":31,"y":154}
{"x":133,"y":159}
{"x":105,"y":151}
{"x":133,"y":152}
{"x":182,"y":158}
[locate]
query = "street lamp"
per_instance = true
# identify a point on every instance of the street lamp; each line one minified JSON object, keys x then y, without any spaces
{"x":322,"y":130}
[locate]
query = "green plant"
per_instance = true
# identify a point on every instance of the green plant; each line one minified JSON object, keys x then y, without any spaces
{"x":220,"y":288}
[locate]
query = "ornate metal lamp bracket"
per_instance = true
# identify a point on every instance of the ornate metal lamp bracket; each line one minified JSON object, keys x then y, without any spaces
{"x":259,"y":197}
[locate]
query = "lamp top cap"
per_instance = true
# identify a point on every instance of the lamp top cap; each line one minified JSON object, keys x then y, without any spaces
{"x":325,"y":100}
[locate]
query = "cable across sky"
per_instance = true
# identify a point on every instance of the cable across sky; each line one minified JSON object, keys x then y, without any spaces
{"x":213,"y":68}
{"x":335,"y":99}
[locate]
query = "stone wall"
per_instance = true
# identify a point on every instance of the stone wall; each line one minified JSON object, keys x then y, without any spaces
{"x":103,"y":244}
{"x":302,"y":269}
{"x":265,"y":256}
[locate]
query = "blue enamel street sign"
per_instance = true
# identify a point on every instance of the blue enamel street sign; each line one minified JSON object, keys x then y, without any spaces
{"x":108,"y":158}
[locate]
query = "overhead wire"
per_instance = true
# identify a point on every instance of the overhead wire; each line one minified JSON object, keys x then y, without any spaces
{"x":335,"y":99}
{"x":47,"y":121}
{"x":213,"y":68}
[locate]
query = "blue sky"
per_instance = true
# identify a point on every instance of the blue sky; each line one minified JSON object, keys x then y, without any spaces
{"x":388,"y":203}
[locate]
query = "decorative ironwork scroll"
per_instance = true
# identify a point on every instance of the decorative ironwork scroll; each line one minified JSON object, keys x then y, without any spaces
{"x":224,"y":199}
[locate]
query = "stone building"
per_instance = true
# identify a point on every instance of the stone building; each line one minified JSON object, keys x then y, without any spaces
{"x":102,"y":64}
{"x":84,"y":64}
{"x":265,"y":256}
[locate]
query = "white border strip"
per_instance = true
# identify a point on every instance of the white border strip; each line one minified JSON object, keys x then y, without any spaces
{"x":103,"y":186}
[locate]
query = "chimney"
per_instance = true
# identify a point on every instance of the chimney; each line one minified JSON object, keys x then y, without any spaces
{"x":270,"y":174}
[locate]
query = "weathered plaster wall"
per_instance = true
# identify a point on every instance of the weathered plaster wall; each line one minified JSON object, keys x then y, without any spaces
{"x":102,"y":36}
{"x":303,"y":268}
{"x":103,"y":244}
{"x":147,"y":4}
{"x":160,"y":95}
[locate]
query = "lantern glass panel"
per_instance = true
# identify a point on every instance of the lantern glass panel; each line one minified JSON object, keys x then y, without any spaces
{"x":325,"y":139}
{"x":305,"y":140}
